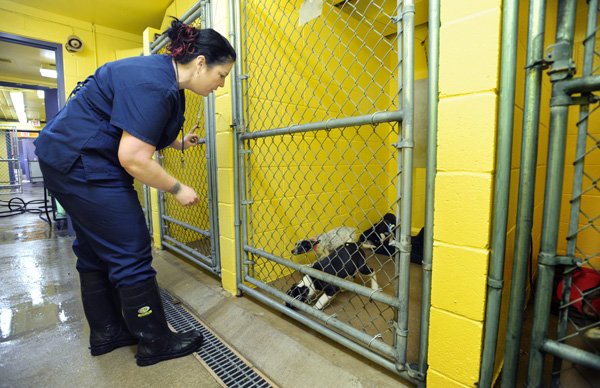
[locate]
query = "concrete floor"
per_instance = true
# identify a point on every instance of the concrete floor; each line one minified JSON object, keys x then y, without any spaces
{"x":43,"y":332}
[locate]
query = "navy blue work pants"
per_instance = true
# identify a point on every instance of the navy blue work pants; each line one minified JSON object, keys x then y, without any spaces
{"x":110,"y":228}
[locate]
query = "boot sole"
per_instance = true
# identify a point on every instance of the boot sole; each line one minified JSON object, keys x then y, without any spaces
{"x":99,"y":350}
{"x":146,"y":361}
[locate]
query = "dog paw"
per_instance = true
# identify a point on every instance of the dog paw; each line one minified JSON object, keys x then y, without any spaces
{"x":368,"y":244}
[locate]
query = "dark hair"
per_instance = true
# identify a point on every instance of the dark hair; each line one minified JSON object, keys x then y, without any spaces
{"x":188,"y":42}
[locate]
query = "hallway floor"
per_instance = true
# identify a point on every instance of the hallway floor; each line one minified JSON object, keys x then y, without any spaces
{"x":44,"y":336}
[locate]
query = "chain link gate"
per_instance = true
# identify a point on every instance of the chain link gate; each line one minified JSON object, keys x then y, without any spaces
{"x":193,"y":231}
{"x":10,"y":171}
{"x":577,"y":334}
{"x":325,"y":147}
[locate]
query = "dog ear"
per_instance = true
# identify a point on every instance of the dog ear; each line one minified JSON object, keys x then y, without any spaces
{"x":302,"y":246}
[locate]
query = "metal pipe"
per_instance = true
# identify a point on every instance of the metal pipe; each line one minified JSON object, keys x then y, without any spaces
{"x":190,"y":15}
{"x":328,"y":333}
{"x":586,"y":84}
{"x":211,"y":160}
{"x":245,"y":168}
{"x":185,"y":225}
{"x":189,"y":257}
{"x":508,"y":66}
{"x":535,"y":55}
{"x":553,"y":191}
{"x":376,"y":295}
{"x":571,"y":353}
{"x":237,"y":125}
{"x":346,"y":122}
{"x":405,"y":182}
{"x":432,"y":123}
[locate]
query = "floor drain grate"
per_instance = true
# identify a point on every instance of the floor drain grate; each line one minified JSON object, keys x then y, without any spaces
{"x":225,"y":364}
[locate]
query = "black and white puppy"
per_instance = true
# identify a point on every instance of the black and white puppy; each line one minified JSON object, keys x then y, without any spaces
{"x":326,"y":242}
{"x":378,"y":236}
{"x":343,"y":262}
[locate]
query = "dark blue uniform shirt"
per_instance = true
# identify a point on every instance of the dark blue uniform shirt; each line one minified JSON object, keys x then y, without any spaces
{"x":138,"y":95}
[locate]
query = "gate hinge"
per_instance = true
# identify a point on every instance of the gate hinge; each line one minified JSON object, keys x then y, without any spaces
{"x":412,"y":369}
{"x":404,"y":144}
{"x":563,"y":66}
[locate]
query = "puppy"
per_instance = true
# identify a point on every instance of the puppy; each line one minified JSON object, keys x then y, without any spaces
{"x":344,"y":262}
{"x":378,"y":236}
{"x":326,"y":242}
{"x":417,"y":242}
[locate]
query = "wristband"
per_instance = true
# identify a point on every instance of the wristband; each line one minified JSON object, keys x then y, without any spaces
{"x":175,"y":189}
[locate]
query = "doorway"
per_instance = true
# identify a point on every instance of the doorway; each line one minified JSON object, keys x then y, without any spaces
{"x":32,"y":89}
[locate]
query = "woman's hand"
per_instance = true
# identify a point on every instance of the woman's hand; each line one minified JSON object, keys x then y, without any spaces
{"x":186,"y":195}
{"x":190,"y":140}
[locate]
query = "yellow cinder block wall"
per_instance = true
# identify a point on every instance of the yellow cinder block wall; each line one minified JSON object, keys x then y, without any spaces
{"x":469,"y":36}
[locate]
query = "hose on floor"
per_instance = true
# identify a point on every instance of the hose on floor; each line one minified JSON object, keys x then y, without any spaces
{"x":17,"y":206}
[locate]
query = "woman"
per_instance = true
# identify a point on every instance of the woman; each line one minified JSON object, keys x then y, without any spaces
{"x":90,"y":153}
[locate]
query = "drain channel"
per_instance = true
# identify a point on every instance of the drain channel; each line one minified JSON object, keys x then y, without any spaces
{"x":225,"y":364}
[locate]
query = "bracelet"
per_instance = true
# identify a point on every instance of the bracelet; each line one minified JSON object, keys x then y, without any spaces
{"x":175,"y":189}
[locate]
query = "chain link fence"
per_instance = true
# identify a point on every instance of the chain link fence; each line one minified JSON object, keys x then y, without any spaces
{"x":567,"y":295}
{"x":325,"y":170}
{"x":10,"y":171}
{"x":578,"y":292}
{"x":192,"y":231}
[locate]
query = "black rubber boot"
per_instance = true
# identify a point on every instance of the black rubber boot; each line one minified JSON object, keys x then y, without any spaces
{"x":145,"y":318}
{"x":107,"y":328}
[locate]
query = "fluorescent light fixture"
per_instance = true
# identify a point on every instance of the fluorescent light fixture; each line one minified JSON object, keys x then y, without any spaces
{"x":49,"y":55}
{"x":40,"y":94}
{"x":19,"y":106}
{"x":48,"y":71}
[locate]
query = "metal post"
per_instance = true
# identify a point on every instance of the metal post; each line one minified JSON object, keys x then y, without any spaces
{"x":405,"y":168}
{"x":562,"y":68}
{"x":535,"y":52}
{"x":235,"y":31}
{"x":432,"y":114}
{"x":510,"y":18}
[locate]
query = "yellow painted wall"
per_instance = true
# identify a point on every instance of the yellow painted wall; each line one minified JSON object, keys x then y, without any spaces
{"x":469,"y":35}
{"x":99,"y":43}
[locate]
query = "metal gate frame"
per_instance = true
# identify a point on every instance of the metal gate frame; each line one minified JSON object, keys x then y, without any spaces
{"x":390,"y":357}
{"x":199,"y":11}
{"x":564,"y":90}
{"x":13,"y":184}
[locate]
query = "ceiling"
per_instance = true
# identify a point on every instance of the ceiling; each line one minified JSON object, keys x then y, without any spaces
{"x":20,"y":64}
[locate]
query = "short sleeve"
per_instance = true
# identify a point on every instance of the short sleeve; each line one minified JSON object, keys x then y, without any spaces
{"x":143,"y":110}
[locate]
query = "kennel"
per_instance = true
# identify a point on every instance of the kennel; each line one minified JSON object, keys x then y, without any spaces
{"x":325,"y":138}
